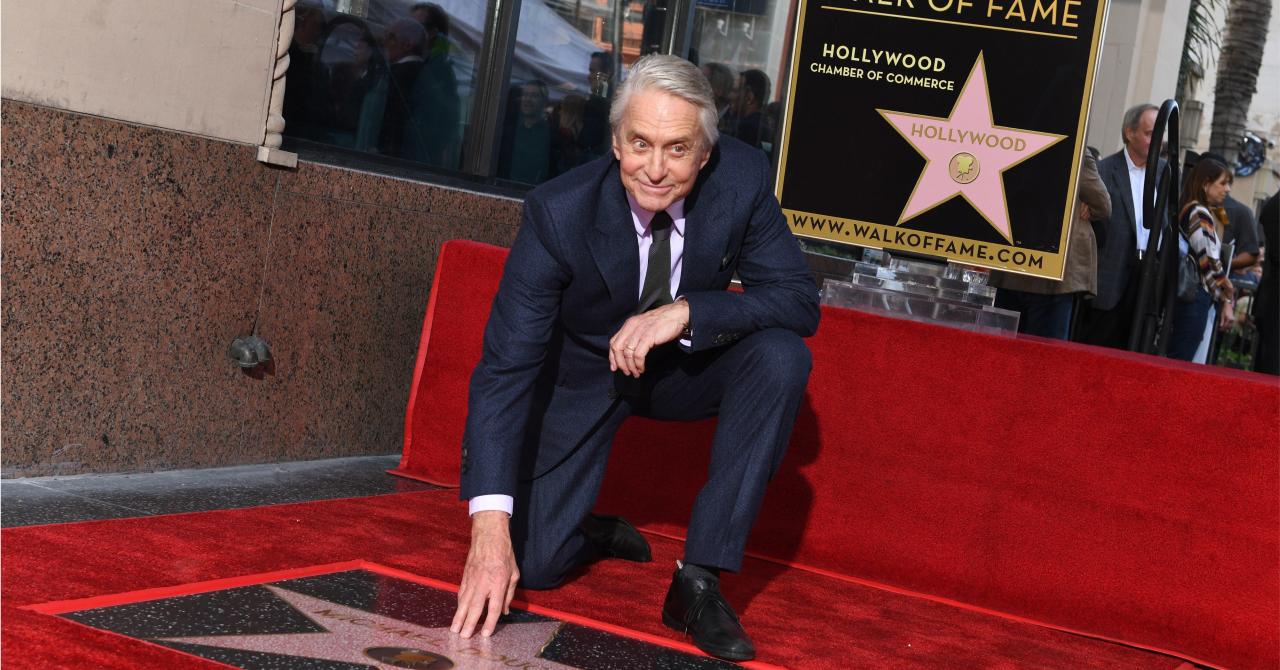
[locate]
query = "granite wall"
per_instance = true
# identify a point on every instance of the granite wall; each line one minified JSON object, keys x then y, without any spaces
{"x":132,"y":257}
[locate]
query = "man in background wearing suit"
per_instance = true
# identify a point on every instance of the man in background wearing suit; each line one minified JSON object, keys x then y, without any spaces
{"x":1123,"y":238}
{"x":613,"y":302}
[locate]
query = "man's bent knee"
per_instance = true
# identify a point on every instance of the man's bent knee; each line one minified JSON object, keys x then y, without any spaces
{"x":539,"y":577}
{"x":779,"y":358}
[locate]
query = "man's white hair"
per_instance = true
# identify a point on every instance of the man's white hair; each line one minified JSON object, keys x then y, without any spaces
{"x":676,"y":76}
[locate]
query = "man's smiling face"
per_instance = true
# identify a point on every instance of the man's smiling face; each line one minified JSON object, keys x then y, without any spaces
{"x":659,"y":145}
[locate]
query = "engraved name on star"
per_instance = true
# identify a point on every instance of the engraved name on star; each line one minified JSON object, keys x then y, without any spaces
{"x":966,"y":154}
{"x":356,"y":636}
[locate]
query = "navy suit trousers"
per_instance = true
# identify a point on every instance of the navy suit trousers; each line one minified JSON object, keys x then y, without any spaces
{"x":755,"y":387}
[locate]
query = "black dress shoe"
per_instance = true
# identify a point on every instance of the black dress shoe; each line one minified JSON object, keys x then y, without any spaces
{"x":615,"y":537}
{"x":696,"y":607}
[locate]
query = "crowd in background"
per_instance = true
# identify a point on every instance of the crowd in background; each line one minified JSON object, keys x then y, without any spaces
{"x":394,"y":93}
{"x":541,"y":139}
{"x":1225,"y":282}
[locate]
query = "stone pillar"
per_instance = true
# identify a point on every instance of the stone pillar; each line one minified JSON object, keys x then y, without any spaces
{"x":269,"y":151}
{"x":1138,"y":63}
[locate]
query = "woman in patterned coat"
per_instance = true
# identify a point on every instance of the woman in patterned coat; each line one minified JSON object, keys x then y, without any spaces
{"x":1200,"y":222}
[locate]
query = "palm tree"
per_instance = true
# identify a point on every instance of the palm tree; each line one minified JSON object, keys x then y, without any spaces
{"x":1198,"y":45}
{"x":1242,"y":44}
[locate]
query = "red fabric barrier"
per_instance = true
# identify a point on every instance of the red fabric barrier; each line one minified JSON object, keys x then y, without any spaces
{"x":1125,"y":496}
{"x":466,"y":279}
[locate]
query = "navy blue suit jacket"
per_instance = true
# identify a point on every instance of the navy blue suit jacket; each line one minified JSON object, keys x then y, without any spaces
{"x":573,"y":278}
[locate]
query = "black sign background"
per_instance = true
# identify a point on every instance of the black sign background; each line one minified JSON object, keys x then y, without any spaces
{"x":842,"y":159}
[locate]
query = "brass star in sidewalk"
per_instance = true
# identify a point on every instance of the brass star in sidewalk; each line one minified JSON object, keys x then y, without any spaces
{"x":356,"y":636}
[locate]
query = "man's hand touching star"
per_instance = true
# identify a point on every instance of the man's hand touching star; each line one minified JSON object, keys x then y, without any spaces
{"x":490,"y":576}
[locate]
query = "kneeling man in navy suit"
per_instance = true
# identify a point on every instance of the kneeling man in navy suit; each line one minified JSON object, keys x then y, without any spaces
{"x":614,"y":302}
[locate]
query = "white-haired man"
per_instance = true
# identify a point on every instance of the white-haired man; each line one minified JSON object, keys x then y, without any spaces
{"x":614,"y":302}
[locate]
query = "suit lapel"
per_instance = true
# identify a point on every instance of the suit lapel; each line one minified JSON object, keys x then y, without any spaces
{"x":706,"y":235}
{"x":613,"y":242}
{"x":1120,"y":175}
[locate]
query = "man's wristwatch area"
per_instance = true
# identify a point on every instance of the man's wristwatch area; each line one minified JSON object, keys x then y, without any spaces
{"x":686,"y":333}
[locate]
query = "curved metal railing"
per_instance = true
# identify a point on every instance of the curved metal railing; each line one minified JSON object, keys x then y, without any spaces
{"x":1152,"y":313}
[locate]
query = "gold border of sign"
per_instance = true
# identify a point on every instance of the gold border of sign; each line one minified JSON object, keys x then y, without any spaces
{"x":983,"y":254}
{"x":1054,"y":262}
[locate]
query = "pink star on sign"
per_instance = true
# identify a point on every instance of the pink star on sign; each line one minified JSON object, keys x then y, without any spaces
{"x":966,"y":153}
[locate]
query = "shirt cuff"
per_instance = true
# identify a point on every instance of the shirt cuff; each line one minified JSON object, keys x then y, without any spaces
{"x":495,"y":502}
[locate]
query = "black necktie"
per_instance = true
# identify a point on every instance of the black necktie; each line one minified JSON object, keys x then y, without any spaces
{"x":657,"y":279}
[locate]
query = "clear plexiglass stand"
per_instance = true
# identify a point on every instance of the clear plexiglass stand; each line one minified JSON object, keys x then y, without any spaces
{"x":950,"y":295}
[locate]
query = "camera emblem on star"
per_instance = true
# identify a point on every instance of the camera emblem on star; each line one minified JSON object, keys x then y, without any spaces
{"x":963,"y":168}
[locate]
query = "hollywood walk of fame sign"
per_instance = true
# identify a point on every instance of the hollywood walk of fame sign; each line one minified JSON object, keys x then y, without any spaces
{"x":365,"y":618}
{"x":949,"y":128}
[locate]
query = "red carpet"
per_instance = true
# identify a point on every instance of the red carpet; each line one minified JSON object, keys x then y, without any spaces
{"x":799,"y":620}
{"x":1089,"y":489}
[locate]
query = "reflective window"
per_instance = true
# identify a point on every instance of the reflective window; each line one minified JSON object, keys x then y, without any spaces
{"x":568,"y":57}
{"x":385,"y":77}
{"x":742,"y":46}
{"x":397,"y":78}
